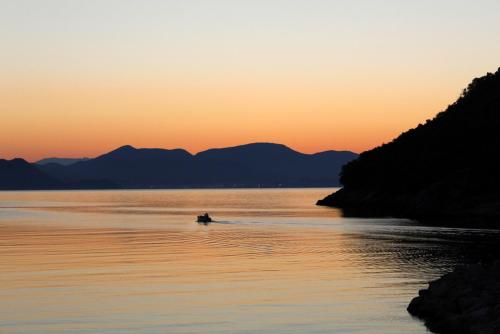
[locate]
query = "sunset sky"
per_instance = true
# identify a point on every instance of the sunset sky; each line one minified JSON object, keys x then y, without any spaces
{"x":78,"y":78}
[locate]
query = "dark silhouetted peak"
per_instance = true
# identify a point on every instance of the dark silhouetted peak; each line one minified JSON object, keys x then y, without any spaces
{"x":126,"y":148}
{"x":250,"y":165}
{"x":20,"y":174}
{"x":14,"y":162}
{"x":446,"y":166}
{"x":120,"y":152}
{"x":249,"y":151}
{"x":128,"y":152}
{"x":337,"y":153}
{"x":123,"y":149}
{"x":263,"y":146}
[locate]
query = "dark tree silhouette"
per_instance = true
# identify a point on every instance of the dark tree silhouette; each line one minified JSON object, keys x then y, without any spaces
{"x":448,"y":166}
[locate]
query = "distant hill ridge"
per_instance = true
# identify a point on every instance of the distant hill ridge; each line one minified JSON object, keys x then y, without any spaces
{"x":250,"y":165}
{"x":20,"y":174}
{"x":61,"y":161}
{"x":447,"y":167}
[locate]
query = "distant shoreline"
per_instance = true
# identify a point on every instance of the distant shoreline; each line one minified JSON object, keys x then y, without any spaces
{"x":254,"y":165}
{"x":172,"y":188}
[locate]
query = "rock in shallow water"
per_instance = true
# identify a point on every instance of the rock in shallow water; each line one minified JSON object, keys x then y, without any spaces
{"x":466,"y":300}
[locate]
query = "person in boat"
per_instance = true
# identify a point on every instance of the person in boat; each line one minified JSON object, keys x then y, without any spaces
{"x":205,"y":218}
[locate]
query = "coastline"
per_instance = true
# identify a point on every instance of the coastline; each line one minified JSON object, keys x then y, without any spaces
{"x":428,"y":205}
{"x":466,"y":300}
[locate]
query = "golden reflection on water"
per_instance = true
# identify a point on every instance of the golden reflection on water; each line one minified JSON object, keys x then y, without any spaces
{"x":135,"y":262}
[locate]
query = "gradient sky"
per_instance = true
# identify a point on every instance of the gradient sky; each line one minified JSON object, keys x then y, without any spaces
{"x":78,"y":78}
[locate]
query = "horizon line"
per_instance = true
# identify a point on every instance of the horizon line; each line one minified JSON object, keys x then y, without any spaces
{"x":176,"y":148}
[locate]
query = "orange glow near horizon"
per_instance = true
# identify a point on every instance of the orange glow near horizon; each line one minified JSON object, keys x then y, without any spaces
{"x":77,"y":119}
{"x":80,"y":78}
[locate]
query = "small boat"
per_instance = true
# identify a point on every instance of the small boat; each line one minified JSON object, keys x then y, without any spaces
{"x":205,"y":219}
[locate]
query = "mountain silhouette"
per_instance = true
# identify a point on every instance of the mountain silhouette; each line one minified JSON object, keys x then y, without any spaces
{"x":447,"y":167}
{"x":18,"y":174}
{"x":60,"y":161}
{"x":251,"y":165}
{"x":131,"y":167}
{"x":268,"y":164}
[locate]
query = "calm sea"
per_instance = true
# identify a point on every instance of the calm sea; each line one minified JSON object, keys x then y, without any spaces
{"x":136,"y":262}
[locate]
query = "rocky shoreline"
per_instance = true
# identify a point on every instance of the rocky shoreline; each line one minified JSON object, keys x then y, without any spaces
{"x":437,"y":203}
{"x":465,"y":301}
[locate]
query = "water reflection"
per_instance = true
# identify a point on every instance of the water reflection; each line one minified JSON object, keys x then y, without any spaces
{"x":135,"y":261}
